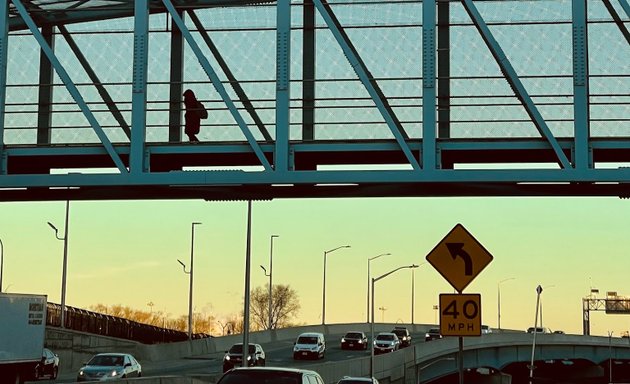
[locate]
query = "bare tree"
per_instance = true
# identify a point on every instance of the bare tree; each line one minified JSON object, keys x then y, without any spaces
{"x":285,"y":306}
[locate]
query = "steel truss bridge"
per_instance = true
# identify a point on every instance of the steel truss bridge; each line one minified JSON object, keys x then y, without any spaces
{"x":314,"y":98}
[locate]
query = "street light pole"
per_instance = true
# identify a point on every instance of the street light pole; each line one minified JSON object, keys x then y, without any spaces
{"x":367,"y":310}
{"x":270,"y":282}
{"x":541,"y":304}
{"x":65,"y":263}
{"x":324,"y":283}
{"x":413,"y":289}
{"x":374,"y":280}
{"x":499,"y":300}
{"x":190,"y":279}
{"x":539,"y":290}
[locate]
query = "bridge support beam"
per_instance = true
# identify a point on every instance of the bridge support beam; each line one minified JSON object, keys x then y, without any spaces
{"x":283,"y":85}
{"x":4,"y":41}
{"x":45,"y":96}
{"x":581,"y":105}
{"x":428,"y":85}
{"x":176,"y":89}
{"x":137,"y":161}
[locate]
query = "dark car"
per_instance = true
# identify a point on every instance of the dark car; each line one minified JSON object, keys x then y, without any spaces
{"x":48,"y":366}
{"x":110,"y":366}
{"x":260,"y":375}
{"x":354,"y":340}
{"x":403,"y":335}
{"x":234,"y":356}
{"x":433,"y":334}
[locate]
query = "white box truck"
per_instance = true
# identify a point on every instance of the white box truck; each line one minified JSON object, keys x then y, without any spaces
{"x":22,"y":332}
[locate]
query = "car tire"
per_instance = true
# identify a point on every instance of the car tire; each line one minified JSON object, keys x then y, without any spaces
{"x":55,"y":373}
{"x":262,"y":363}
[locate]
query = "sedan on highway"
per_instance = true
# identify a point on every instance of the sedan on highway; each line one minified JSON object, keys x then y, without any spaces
{"x":386,"y":342}
{"x":234,"y":356}
{"x":48,"y":366}
{"x":433,"y":334}
{"x":110,"y":366}
{"x":354,"y":340}
{"x":268,"y":375}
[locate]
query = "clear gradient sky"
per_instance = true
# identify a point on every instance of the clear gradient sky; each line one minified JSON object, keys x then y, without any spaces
{"x":125,"y":252}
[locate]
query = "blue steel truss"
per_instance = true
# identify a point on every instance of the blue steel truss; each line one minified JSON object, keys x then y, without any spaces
{"x":358,"y":98}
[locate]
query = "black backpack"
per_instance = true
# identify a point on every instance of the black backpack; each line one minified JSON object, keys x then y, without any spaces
{"x":201,"y":110}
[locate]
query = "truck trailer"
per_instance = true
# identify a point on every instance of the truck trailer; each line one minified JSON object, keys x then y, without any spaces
{"x":22,"y":332}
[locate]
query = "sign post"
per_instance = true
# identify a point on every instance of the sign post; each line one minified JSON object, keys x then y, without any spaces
{"x":459,"y":258}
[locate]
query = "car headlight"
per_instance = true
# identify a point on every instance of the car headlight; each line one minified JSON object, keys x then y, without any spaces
{"x":81,"y":373}
{"x":360,"y":341}
{"x":295,"y":349}
{"x":227,"y":358}
{"x":114,"y":374}
{"x":426,"y":335}
{"x":343,"y":340}
{"x":249,"y":358}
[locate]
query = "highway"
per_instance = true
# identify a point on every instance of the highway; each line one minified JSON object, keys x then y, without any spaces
{"x":279,"y":353}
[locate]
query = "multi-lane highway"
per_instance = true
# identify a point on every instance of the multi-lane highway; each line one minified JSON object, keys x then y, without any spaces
{"x":278,"y":353}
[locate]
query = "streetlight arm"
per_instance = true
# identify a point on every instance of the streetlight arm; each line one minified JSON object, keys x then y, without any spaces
{"x":265,"y":270}
{"x":56,"y":231}
{"x":376,"y":257}
{"x":334,"y":249}
{"x":183,"y":266}
{"x":395,"y":270}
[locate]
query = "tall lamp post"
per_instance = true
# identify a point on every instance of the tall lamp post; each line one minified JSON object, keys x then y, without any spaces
{"x":541,"y":304}
{"x":413,"y":288}
{"x":367,"y":310}
{"x":65,"y":263}
{"x":1,"y":262}
{"x":374,"y":280}
{"x":324,"y":282}
{"x":270,"y":281}
{"x":499,"y":300}
{"x":190,"y":279}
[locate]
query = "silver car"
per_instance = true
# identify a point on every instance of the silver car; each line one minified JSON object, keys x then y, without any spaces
{"x":110,"y":366}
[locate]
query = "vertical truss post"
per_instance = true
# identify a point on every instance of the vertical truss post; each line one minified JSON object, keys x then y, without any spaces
{"x":283,"y":85}
{"x":428,"y":85}
{"x":176,"y":84}
{"x":4,"y":42}
{"x":581,"y":105}
{"x":586,"y":322}
{"x":515,"y":82}
{"x":308,"y":71}
{"x":444,"y":69}
{"x":139,"y":86}
{"x":70,"y":86}
{"x":45,"y":97}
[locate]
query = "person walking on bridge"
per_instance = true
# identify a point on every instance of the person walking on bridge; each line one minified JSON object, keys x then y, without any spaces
{"x":195,"y":111}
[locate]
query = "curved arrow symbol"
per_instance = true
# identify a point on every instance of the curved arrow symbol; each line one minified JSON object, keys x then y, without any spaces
{"x":457,"y":249}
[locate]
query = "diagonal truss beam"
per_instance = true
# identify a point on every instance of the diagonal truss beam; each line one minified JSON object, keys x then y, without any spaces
{"x":367,"y":79}
{"x":205,"y":64}
{"x":97,"y":82}
{"x":515,"y":83}
{"x":625,"y":6}
{"x":72,"y":88}
{"x":617,"y":19}
{"x":242,"y":96}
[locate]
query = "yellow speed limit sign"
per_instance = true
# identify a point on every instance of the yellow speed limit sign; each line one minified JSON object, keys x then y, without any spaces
{"x":460,"y":314}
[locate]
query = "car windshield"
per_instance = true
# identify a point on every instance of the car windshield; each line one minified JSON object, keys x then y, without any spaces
{"x":106,"y":361}
{"x":238,"y":348}
{"x":434,"y":330}
{"x":385,"y":337}
{"x":260,"y":377}
{"x":400,"y":332}
{"x":307,"y":340}
{"x":353,"y":335}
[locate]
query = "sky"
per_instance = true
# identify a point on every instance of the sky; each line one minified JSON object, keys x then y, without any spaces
{"x":125,"y":252}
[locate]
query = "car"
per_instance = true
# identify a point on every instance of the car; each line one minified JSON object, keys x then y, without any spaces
{"x":354,"y":340}
{"x":357,"y":380}
{"x":559,"y":332}
{"x":485,"y":330}
{"x":234,"y":356}
{"x":265,"y":375}
{"x":48,"y":366}
{"x":309,"y":344}
{"x":403,"y":335}
{"x":538,"y":330}
{"x":110,"y":366}
{"x":433,"y":334}
{"x":386,"y":342}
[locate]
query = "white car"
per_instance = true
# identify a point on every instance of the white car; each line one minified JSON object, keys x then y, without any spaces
{"x":386,"y":342}
{"x":110,"y":366}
